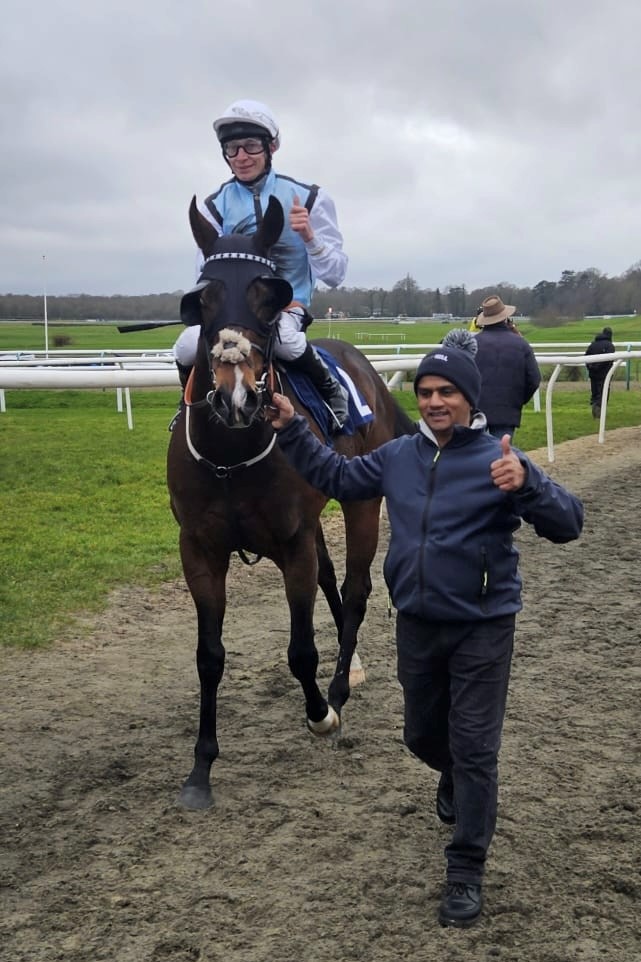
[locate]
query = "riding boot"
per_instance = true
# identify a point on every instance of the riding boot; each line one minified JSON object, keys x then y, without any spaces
{"x":332,"y":392}
{"x":184,"y":370}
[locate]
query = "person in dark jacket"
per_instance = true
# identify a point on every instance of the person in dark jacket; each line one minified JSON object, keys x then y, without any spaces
{"x":602,"y":344}
{"x":455,"y":495}
{"x":509,"y":372}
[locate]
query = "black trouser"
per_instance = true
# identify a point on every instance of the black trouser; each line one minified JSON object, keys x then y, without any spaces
{"x":455,"y":677}
{"x":597,"y":383}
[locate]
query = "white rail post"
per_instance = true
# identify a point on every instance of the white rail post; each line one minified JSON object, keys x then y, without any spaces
{"x":549,"y":427}
{"x":537,"y":400}
{"x":130,"y":420}
{"x":604,"y":400}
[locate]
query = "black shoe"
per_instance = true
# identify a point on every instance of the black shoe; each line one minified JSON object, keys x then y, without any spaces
{"x":445,"y":799}
{"x":461,"y":904}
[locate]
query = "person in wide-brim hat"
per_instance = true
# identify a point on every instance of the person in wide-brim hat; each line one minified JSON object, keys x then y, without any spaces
{"x":509,"y":372}
{"x":493,"y":311}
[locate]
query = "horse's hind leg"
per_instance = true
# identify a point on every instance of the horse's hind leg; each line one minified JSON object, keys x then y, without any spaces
{"x":327,"y":581}
{"x":361,"y":533}
{"x":329,"y":586}
{"x":301,"y":573}
{"x":206,"y":582}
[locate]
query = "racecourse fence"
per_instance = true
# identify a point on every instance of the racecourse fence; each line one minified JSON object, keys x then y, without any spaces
{"x":124,"y":370}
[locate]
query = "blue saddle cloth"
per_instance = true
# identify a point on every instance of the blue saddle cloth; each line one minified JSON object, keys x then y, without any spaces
{"x":359,"y":410}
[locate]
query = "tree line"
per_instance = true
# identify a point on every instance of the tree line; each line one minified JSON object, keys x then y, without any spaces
{"x":575,"y":294}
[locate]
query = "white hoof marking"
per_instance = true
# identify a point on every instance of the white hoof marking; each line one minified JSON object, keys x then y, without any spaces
{"x":356,"y":671}
{"x":326,"y":725}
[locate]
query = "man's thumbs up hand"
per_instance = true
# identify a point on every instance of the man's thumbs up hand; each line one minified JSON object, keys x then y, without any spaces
{"x":299,"y":220}
{"x":507,"y":472}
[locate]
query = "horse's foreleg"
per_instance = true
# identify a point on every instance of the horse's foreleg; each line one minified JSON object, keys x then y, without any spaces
{"x":301,"y":574}
{"x":361,"y":531}
{"x":208,"y":592}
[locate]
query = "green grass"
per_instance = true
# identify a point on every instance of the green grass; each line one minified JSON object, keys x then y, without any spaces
{"x":84,"y":501}
{"x":30,"y":336}
{"x":16,"y":336}
{"x":84,"y":506}
{"x":623,"y":328}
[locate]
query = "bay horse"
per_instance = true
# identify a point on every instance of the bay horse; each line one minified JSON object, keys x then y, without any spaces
{"x":232,"y":490}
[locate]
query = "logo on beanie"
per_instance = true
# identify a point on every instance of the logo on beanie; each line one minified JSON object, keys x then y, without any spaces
{"x":440,"y":357}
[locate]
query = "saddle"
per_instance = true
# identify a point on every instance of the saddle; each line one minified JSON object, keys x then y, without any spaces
{"x":359,"y":410}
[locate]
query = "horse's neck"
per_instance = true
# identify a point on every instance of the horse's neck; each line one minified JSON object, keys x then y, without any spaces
{"x":200,"y":383}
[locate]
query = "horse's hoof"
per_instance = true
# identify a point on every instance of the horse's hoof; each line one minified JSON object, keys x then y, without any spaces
{"x":356,"y":678}
{"x":330,"y":723}
{"x":195,"y":799}
{"x":356,"y":671}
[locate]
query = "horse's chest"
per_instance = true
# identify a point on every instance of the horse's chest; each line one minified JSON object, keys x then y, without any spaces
{"x":249,"y":522}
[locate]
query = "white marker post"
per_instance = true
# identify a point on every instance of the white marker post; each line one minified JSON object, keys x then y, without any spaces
{"x":44,"y":282}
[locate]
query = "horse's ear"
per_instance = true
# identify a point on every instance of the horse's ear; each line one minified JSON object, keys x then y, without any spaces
{"x":271,"y":226}
{"x":205,"y":234}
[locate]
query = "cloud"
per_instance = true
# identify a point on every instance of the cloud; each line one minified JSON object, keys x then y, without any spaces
{"x":462,"y":142}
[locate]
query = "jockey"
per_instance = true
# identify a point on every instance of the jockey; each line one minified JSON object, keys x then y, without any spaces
{"x":310,"y":247}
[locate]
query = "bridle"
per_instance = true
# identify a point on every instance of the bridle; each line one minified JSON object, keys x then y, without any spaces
{"x":237,"y":262}
{"x":234,"y":348}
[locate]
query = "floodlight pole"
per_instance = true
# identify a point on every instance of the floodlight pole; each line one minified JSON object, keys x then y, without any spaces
{"x":44,"y":282}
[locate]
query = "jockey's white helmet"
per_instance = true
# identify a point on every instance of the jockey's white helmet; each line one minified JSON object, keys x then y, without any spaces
{"x":250,"y":112}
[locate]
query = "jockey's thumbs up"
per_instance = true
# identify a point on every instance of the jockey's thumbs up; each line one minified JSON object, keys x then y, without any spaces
{"x":507,"y":472}
{"x":299,"y":220}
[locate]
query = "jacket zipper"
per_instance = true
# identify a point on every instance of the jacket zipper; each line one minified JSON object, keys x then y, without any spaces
{"x":484,"y":578}
{"x":257,"y":208}
{"x":426,"y":513}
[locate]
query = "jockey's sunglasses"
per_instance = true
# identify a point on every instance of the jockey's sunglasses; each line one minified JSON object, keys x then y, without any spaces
{"x":250,"y":146}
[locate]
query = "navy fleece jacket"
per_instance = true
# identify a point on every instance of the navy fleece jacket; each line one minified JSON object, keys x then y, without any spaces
{"x":451,"y":555}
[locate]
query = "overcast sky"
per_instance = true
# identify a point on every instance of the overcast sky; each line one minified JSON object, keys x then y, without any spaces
{"x":463,"y":141}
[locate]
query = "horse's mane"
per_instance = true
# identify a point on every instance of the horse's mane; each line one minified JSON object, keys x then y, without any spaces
{"x":403,"y":423}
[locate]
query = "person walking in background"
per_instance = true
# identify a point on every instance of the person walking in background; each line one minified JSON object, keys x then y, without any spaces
{"x":309,"y":249}
{"x":509,"y":372}
{"x":454,"y":496}
{"x":602,"y":344}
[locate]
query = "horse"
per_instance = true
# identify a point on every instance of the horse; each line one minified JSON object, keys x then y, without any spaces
{"x":232,"y":490}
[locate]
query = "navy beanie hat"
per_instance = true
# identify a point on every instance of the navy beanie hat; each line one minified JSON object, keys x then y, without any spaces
{"x":455,"y":365}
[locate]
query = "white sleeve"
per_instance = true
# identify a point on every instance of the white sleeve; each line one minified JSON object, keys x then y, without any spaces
{"x":327,"y":258}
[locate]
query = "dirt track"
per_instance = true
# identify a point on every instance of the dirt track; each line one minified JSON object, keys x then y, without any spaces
{"x":318,"y":852}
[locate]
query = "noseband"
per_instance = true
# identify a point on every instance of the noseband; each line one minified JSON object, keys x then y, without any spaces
{"x":234,"y":348}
